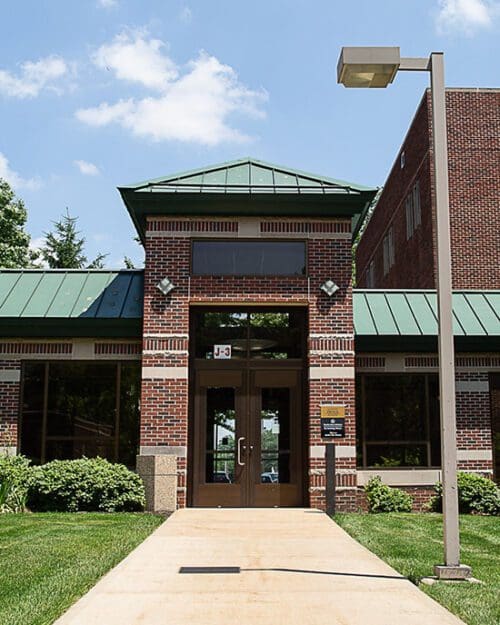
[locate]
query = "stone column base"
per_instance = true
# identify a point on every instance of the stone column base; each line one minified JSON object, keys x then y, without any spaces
{"x":159,"y":474}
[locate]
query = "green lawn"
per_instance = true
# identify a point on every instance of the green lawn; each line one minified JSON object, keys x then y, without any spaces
{"x":412,"y":544}
{"x":50,"y":560}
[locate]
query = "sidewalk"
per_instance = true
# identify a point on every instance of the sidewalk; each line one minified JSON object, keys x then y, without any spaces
{"x":297,"y":568}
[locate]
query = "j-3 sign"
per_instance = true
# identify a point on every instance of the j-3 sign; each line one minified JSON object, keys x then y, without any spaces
{"x":222,"y":351}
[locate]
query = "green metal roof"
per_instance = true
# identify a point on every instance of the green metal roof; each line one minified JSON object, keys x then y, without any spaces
{"x":244,"y":187}
{"x":38,"y":302}
{"x":34,"y":301}
{"x":392,"y":317}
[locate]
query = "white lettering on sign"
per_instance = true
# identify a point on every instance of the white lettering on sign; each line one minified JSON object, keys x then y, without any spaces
{"x":222,"y":351}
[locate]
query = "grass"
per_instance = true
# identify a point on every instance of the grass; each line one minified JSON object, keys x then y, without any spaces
{"x":412,"y":544}
{"x":50,"y":560}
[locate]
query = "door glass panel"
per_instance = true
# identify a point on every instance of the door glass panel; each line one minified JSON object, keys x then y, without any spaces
{"x":220,"y":435}
{"x":275,"y":436}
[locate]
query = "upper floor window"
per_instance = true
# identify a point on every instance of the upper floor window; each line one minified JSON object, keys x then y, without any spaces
{"x":413,"y":210}
{"x":388,"y":251}
{"x":249,"y":258}
{"x":370,"y":275}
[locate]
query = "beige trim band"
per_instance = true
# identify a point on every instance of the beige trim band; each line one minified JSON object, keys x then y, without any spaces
{"x":391,"y":477}
{"x":341,"y":451}
{"x":474,"y":454}
{"x":163,"y":450}
{"x":164,"y":373}
{"x":10,"y":375}
{"x":331,"y":373}
{"x":472,"y":386}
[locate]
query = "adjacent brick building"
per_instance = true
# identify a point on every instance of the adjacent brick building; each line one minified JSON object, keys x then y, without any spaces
{"x":397,"y":248}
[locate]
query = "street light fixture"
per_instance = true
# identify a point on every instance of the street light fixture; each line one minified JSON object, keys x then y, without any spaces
{"x":377,"y":67}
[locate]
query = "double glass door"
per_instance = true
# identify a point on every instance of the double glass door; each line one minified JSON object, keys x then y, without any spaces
{"x":247,"y":437}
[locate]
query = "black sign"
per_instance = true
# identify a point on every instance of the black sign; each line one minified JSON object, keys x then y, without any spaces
{"x":332,"y":427}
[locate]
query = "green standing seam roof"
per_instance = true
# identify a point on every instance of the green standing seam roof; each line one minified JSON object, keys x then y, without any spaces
{"x":232,"y":188}
{"x":70,"y":294}
{"x":414,"y":313}
{"x":71,"y":297}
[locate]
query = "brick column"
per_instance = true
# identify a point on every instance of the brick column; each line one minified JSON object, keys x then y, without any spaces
{"x":474,"y":427}
{"x":331,"y":368}
{"x":10,"y":385}
{"x":165,"y":389}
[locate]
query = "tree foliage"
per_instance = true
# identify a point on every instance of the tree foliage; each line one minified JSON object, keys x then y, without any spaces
{"x":14,"y":240}
{"x":64,"y":246}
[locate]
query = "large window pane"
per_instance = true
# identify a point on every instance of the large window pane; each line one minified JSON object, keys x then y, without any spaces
{"x":263,"y":334}
{"x":397,"y":420}
{"x":70,"y":409}
{"x":249,"y":258}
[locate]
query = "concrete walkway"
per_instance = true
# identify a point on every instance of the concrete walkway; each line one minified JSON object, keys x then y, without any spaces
{"x":297,"y":567}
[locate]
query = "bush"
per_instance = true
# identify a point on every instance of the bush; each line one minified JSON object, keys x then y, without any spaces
{"x":383,"y":498}
{"x":476,"y":494}
{"x":15,"y":478}
{"x":86,"y":484}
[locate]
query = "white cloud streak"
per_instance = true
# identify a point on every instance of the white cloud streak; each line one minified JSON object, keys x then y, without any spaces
{"x":34,"y":76}
{"x":16,"y":181}
{"x":186,"y":15}
{"x":107,"y":4}
{"x":86,"y":168}
{"x":466,"y":16}
{"x":192,"y":104}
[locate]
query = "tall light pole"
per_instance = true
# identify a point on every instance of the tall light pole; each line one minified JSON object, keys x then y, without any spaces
{"x":377,"y":67}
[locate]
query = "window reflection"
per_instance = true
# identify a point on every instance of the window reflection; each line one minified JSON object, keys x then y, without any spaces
{"x":249,"y":258}
{"x":74,"y":409}
{"x":276,"y":335}
{"x":275,"y":436}
{"x":220,"y":435}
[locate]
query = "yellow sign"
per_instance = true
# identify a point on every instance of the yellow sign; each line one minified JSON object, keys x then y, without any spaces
{"x":332,"y":411}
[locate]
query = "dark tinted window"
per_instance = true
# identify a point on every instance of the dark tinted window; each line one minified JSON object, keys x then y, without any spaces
{"x":74,"y":409}
{"x":249,"y":258}
{"x":398,"y":420}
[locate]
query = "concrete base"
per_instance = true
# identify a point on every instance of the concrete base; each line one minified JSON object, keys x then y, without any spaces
{"x":460,"y":572}
{"x":8,"y":450}
{"x":159,"y":474}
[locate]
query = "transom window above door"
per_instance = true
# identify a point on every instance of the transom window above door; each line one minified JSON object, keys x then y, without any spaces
{"x":248,"y":258}
{"x":240,"y":334}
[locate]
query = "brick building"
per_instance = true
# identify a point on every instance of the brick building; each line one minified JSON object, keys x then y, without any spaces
{"x":397,"y":247}
{"x":216,"y":363}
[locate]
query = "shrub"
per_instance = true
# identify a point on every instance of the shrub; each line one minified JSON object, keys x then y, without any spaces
{"x":383,"y":498}
{"x":476,"y":494}
{"x":86,"y":484}
{"x":15,"y":478}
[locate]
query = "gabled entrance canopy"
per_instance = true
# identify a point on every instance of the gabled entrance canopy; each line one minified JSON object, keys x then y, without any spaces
{"x":245,"y":187}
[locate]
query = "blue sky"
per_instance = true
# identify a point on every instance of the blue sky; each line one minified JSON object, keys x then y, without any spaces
{"x":98,"y":93}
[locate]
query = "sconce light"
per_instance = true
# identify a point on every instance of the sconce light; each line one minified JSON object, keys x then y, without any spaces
{"x":165,"y":286}
{"x":329,"y":287}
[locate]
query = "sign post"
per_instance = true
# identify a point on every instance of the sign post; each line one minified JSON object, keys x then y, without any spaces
{"x":332,"y":427}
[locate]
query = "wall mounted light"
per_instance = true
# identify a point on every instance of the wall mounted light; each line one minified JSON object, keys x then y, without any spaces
{"x":329,"y":287}
{"x":165,"y":286}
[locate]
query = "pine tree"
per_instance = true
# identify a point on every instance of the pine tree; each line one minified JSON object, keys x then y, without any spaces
{"x":64,"y":247}
{"x":14,"y":240}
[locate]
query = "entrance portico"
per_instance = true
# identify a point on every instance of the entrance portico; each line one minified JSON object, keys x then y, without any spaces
{"x":251,"y":238}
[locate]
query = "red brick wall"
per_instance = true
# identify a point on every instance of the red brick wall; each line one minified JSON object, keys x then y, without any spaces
{"x":164,"y":405}
{"x":473,"y":123}
{"x":9,"y":403}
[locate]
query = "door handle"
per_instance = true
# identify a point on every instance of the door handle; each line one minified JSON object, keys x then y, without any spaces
{"x":241,"y":438}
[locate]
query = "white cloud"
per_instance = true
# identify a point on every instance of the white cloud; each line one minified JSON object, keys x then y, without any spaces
{"x":192,"y":105}
{"x":107,"y":4}
{"x":33,"y":77}
{"x":14,"y":179}
{"x":86,"y":168}
{"x":134,"y":58}
{"x":466,"y":16}
{"x":186,"y":15}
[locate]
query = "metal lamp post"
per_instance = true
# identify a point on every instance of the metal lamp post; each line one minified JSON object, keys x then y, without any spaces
{"x":377,"y":67}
